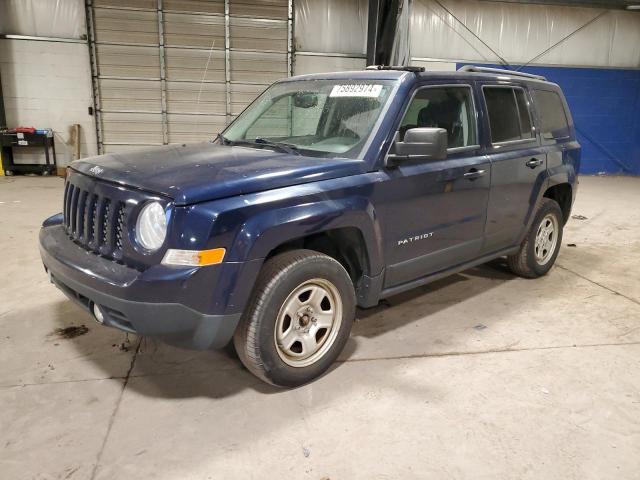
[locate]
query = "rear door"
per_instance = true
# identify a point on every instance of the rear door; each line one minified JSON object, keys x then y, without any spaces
{"x":518,"y":163}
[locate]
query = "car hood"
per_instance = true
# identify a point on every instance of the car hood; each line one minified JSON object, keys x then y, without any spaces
{"x":205,"y":171}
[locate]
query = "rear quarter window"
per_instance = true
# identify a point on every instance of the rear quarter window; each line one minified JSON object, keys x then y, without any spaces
{"x":553,"y":118}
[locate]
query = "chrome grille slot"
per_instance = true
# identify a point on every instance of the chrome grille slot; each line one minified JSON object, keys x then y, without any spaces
{"x":94,"y":219}
{"x":82,"y":203}
{"x":89,"y":218}
{"x":120,"y":227}
{"x":67,"y":199}
{"x":106,"y":225}
{"x":73,"y":210}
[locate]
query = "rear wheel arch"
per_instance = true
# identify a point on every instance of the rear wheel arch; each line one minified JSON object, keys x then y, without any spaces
{"x":562,"y":194}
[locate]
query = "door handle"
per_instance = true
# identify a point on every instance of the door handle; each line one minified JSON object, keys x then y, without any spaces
{"x":473,"y":174}
{"x":533,"y":163}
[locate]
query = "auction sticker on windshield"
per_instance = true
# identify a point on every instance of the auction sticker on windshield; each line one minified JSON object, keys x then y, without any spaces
{"x":356,"y":90}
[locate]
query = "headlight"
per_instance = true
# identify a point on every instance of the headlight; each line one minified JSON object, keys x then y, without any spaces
{"x":151,"y":227}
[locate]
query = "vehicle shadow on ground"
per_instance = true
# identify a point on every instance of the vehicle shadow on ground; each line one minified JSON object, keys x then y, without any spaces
{"x":422,"y":302}
{"x":162,"y":371}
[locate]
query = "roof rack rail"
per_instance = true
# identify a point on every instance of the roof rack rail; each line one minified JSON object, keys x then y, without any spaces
{"x":474,"y":68}
{"x":406,"y":68}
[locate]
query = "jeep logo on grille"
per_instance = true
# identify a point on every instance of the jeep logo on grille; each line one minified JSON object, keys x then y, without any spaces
{"x":96,"y":170}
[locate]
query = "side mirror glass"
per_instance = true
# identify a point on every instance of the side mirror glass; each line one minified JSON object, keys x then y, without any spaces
{"x":420,"y":144}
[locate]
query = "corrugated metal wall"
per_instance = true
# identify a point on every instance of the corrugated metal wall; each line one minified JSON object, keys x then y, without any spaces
{"x":172,"y":71}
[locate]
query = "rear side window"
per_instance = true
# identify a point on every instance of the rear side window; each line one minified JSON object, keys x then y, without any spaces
{"x":552,"y":115}
{"x":509,"y":117}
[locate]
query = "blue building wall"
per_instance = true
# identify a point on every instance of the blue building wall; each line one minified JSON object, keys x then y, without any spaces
{"x":605,"y":104}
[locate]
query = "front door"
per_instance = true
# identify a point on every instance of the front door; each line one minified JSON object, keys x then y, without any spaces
{"x":433,"y":212}
{"x":518,"y":164}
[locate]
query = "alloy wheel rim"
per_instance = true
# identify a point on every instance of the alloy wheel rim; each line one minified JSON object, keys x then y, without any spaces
{"x":308,"y":322}
{"x":546,"y":239}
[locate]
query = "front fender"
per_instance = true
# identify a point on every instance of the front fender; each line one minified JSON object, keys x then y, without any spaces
{"x":265,"y":231}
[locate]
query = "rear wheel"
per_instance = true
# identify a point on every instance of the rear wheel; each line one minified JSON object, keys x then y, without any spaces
{"x":298,"y":319}
{"x":541,"y":245}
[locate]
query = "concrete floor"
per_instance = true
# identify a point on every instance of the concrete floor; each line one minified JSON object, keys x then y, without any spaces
{"x":481,"y":375}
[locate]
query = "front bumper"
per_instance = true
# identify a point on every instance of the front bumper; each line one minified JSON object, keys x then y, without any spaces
{"x":190,"y":307}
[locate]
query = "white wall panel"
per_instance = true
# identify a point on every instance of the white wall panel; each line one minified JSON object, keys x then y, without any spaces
{"x":338,"y":26}
{"x":305,"y":64}
{"x":435,"y":66}
{"x":48,"y":85}
{"x":519,"y":32}
{"x":43,"y":18}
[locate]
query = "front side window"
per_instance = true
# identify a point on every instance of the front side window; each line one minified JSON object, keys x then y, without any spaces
{"x":316,"y":117}
{"x":450,"y":108}
{"x":552,"y":116}
{"x":509,"y":117}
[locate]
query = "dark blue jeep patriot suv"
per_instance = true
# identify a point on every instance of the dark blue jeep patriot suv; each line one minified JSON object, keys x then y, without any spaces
{"x":328,"y":192}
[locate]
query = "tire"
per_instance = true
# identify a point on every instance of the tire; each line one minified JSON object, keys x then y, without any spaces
{"x":535,"y":258}
{"x":298,"y":319}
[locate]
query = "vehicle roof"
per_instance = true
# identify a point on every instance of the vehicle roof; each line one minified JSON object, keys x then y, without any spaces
{"x":397,"y":74}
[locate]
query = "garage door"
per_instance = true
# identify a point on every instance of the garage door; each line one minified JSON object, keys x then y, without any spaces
{"x":175,"y":71}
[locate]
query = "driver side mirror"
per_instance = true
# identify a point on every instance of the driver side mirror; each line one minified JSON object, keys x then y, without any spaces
{"x":419,"y":144}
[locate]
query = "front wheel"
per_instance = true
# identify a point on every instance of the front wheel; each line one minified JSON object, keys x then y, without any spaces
{"x":541,"y":245}
{"x":298,"y":319}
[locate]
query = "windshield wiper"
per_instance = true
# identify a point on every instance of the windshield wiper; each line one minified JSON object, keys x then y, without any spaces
{"x":283,"y":147}
{"x":280,"y":146}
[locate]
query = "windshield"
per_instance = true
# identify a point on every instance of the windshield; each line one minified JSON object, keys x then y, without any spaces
{"x":314,"y":117}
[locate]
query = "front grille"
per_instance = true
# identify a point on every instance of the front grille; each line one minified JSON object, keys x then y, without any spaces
{"x":120,"y":227}
{"x":96,"y":222}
